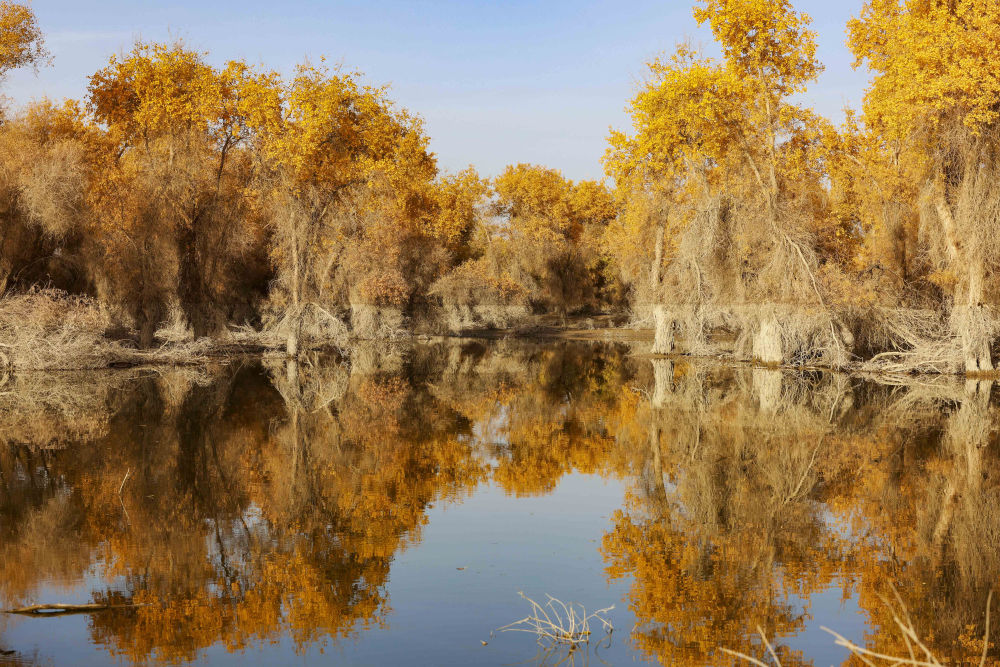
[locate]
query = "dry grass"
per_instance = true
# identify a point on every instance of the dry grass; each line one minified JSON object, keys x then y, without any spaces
{"x":462,"y":317}
{"x":317,"y":327}
{"x":371,"y":322}
{"x":46,"y":329}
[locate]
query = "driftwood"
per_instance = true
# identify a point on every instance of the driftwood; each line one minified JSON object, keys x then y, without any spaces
{"x":61,"y":609}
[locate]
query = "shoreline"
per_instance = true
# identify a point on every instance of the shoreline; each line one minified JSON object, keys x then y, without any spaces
{"x":205,"y":352}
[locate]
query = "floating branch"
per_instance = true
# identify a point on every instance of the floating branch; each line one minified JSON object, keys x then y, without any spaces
{"x":61,"y":609}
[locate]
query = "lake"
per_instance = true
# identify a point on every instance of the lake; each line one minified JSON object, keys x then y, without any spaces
{"x":387,"y":506}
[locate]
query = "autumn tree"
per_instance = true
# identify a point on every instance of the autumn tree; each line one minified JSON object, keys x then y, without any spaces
{"x":554,"y":223}
{"x":21,"y":40}
{"x":171,"y":200}
{"x":536,"y":245}
{"x":482,"y":285}
{"x":724,"y":184}
{"x":932,"y":110}
{"x":45,"y":162}
{"x":459,"y":201}
{"x":21,"y":45}
{"x":347,"y":179}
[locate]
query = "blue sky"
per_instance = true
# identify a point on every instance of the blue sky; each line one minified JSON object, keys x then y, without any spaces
{"x":496,"y":82}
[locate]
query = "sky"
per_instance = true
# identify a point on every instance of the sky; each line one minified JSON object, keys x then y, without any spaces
{"x":497,"y":82}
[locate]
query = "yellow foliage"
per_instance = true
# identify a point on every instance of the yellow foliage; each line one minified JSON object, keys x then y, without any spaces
{"x":21,"y":42}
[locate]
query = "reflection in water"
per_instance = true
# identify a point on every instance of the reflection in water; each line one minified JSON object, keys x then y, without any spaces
{"x":723,"y":527}
{"x":249,"y":503}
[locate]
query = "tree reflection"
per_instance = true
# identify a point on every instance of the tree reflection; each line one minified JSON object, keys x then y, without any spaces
{"x":758,"y":488}
{"x":252,"y":503}
{"x":243,"y":505}
{"x":720,"y":534}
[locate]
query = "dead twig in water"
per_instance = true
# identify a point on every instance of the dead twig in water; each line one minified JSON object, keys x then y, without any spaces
{"x":562,"y":624}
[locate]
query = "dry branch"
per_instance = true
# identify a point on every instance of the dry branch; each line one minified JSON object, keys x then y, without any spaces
{"x":918,"y":653}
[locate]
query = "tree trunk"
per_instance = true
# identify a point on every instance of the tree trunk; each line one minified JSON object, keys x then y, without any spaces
{"x":292,"y":342}
{"x":654,"y":274}
{"x":974,"y":325}
{"x":195,"y":302}
{"x":977,"y":355}
{"x":663,"y":337}
{"x":767,"y":344}
{"x":151,"y":316}
{"x":971,"y":319}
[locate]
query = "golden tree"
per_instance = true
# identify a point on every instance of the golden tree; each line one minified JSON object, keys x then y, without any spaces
{"x":46,"y":156}
{"x":21,"y":40}
{"x":347,"y":180}
{"x":722,"y":184}
{"x":171,"y":201}
{"x":932,"y":113}
{"x":553,"y":224}
{"x":536,"y":244}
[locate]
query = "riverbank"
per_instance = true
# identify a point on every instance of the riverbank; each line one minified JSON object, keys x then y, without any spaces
{"x":51,"y":330}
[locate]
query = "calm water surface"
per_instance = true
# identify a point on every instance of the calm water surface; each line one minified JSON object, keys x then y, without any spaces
{"x":388,"y":508}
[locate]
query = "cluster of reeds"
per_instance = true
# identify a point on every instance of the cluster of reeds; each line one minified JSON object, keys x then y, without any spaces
{"x":562,"y":623}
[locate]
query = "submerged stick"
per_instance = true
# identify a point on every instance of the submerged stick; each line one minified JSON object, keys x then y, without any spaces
{"x":124,"y":479}
{"x":61,"y":609}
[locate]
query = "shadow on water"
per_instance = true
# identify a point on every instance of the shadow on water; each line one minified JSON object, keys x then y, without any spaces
{"x":261,"y":502}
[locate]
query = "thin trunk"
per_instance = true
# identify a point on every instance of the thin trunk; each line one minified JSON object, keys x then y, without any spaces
{"x":295,"y":314}
{"x":655,"y":277}
{"x":948,"y":224}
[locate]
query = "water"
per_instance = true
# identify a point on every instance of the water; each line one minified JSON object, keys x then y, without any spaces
{"x":388,"y":509}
